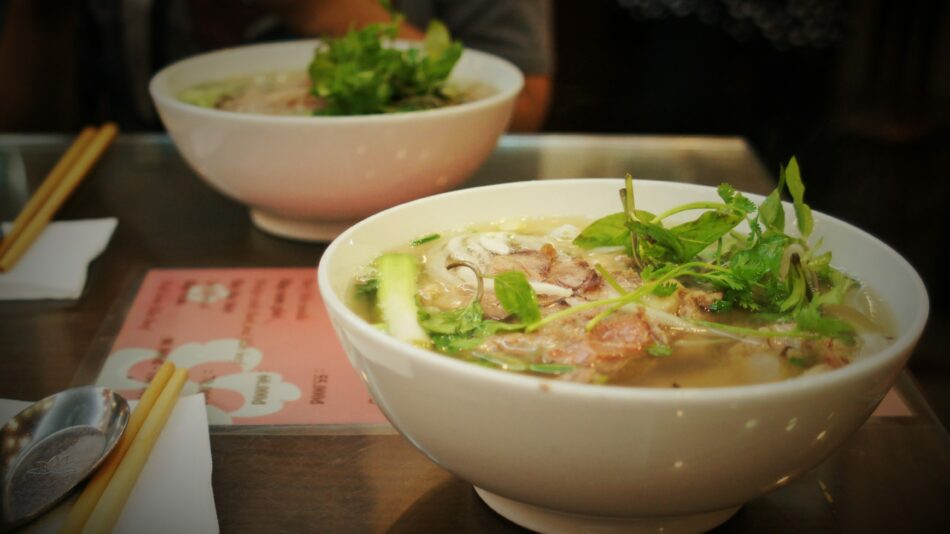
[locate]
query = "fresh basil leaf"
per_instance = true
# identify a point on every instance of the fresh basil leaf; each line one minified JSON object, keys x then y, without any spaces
{"x":695,"y":236}
{"x":796,"y":188}
{"x":657,"y":244}
{"x":609,"y":231}
{"x":771,"y":212}
{"x":644,"y":215}
{"x":517,"y":296}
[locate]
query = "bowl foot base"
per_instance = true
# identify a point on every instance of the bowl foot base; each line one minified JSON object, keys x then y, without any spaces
{"x":546,"y":520}
{"x":299,"y":229}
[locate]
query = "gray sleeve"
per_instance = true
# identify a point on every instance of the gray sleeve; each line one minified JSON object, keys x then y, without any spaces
{"x":518,"y":30}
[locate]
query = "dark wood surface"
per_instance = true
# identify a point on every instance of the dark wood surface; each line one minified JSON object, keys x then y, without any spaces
{"x":892,"y":476}
{"x":877,"y":482}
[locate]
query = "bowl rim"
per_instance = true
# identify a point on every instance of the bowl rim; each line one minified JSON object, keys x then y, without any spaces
{"x":163,"y":98}
{"x":855,"y":370}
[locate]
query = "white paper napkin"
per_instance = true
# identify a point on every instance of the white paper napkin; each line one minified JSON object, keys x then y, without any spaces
{"x":173,"y":492}
{"x":55,"y":265}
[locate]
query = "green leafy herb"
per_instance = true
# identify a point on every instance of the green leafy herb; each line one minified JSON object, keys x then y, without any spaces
{"x":665,"y":289}
{"x":609,"y":231}
{"x":517,"y":296}
{"x":658,"y":244}
{"x":367,"y":288}
{"x":796,"y":188}
{"x":767,"y":271}
{"x":502,"y":361}
{"x":811,"y":320}
{"x":465,"y":328}
{"x":424,"y":239}
{"x":659,"y":350}
{"x":453,"y":343}
{"x":362,"y":73}
{"x":771,"y":212}
{"x":551,"y":368}
{"x":459,"y":321}
{"x":798,"y":362}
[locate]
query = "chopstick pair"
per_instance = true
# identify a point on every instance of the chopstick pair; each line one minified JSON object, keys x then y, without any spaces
{"x":101,"y":501}
{"x":62,"y":180}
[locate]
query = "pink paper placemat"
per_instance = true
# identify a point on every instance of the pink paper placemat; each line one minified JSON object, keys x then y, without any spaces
{"x":257,"y":342}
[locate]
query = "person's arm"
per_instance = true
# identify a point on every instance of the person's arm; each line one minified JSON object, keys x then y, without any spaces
{"x":520,"y":31}
{"x":531,"y":107}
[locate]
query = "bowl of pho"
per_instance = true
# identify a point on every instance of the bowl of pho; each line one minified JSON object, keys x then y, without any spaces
{"x":313,"y":135}
{"x":617,"y":353}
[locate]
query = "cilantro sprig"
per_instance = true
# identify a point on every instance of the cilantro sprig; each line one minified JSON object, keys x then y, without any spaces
{"x":362,"y":72}
{"x":765,"y":271}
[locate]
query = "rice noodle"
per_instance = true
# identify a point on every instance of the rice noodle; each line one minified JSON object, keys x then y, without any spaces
{"x":674,"y":321}
{"x":478,"y":249}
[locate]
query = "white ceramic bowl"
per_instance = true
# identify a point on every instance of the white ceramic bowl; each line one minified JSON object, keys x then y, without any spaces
{"x":310,"y":177}
{"x":552,"y":455}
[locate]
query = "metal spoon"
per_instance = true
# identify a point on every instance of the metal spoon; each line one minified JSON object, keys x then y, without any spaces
{"x":52,"y":446}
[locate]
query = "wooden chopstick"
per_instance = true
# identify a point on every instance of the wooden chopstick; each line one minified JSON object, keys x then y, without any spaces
{"x":109,"y":507}
{"x":90,"y":495}
{"x":62,"y":180}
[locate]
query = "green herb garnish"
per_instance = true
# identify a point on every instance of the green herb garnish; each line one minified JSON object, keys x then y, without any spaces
{"x":659,"y":350}
{"x":517,"y":296}
{"x":367,"y":288}
{"x":551,"y":368}
{"x":363,"y":73}
{"x":424,"y":239}
{"x":766,"y":271}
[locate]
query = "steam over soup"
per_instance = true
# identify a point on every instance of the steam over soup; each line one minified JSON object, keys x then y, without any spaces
{"x":629,"y":299}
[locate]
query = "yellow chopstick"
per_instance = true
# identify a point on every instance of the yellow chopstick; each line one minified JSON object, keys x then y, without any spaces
{"x":62,"y":180}
{"x":83,"y":506}
{"x":107,"y":510}
{"x":52,"y":181}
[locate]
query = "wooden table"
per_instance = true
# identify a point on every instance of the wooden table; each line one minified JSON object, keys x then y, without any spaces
{"x":892,"y":475}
